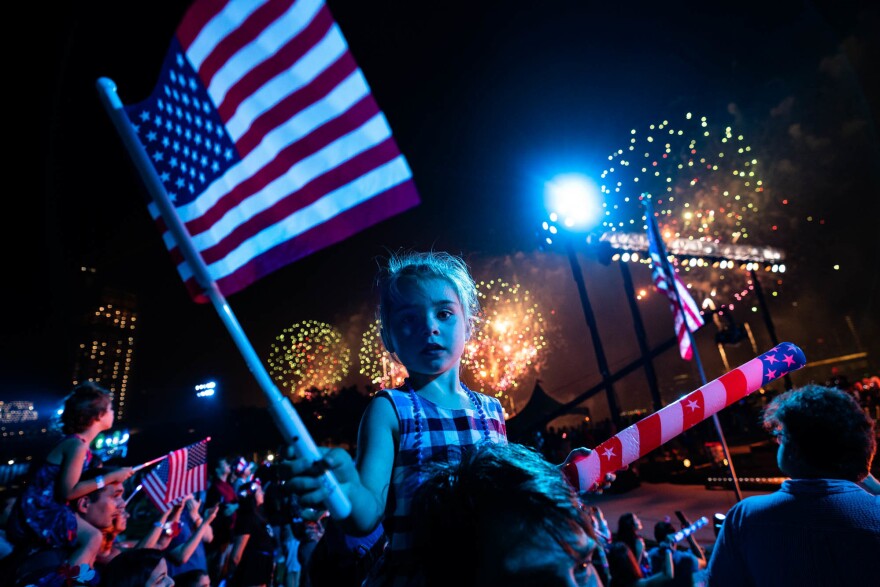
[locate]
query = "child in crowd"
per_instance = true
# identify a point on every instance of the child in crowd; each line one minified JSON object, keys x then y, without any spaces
{"x":41,"y":518}
{"x":628,"y":532}
{"x":428,"y":309}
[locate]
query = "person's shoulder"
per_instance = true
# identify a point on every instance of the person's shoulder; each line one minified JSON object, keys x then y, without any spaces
{"x":381,"y":411}
{"x":488,"y":400}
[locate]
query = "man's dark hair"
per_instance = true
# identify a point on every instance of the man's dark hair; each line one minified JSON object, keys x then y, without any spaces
{"x":506,"y":489}
{"x":830,"y":431}
{"x":189,"y":578}
{"x":662,"y":529}
{"x":94,"y":472}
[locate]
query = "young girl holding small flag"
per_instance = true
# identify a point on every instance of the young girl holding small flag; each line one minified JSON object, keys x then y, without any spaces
{"x":428,"y":309}
{"x":41,"y":516}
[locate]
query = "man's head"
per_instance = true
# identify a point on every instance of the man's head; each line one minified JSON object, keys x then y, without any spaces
{"x":662,"y":530}
{"x":222,"y":468}
{"x":822,"y":432}
{"x":100,"y":507}
{"x":509,"y":512}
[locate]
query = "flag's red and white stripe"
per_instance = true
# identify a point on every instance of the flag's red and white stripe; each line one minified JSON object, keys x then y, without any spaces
{"x":185,"y":471}
{"x":691,"y":312}
{"x":266,"y":137}
{"x":649,"y":433}
{"x":664,"y":277}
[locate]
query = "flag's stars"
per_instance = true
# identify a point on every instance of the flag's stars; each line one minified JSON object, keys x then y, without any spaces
{"x":693,"y":404}
{"x":608,"y":453}
{"x":789,"y":360}
{"x":771,"y":359}
{"x":771,"y":374}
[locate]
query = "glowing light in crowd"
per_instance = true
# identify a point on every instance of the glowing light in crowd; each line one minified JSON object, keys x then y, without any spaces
{"x":510,"y":340}
{"x":309,"y":356}
{"x":376,"y":362}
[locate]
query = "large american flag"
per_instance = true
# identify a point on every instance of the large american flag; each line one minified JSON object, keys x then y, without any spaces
{"x":665,"y":279}
{"x":185,"y":471}
{"x":266,"y":138}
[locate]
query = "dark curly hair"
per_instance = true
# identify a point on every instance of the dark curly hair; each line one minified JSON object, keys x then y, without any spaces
{"x":831,"y":432}
{"x":497,"y":492}
{"x":131,"y":568}
{"x":84,"y":405}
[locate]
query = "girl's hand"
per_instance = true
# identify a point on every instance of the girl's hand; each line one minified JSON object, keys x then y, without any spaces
{"x":305,"y":479}
{"x":122,"y":474}
{"x":600,"y":485}
{"x":211,"y":513}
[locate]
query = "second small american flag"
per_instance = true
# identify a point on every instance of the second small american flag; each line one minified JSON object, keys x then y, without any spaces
{"x":185,"y":471}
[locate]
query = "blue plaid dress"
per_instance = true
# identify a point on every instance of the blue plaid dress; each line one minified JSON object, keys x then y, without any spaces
{"x":429,"y":432}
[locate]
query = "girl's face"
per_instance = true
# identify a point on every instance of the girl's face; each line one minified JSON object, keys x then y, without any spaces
{"x":428,"y":327}
{"x":106,"y":418}
{"x":159,"y":577}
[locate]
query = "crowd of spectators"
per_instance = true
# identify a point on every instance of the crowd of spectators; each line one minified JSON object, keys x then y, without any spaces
{"x":245,"y":529}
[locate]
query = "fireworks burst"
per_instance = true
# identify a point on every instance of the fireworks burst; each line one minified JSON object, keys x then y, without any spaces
{"x":510,"y":340}
{"x":309,"y":355}
{"x":376,"y":362}
{"x":706,"y":186}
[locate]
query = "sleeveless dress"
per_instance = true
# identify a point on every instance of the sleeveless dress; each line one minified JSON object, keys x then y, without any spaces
{"x":38,"y":518}
{"x":428,"y":432}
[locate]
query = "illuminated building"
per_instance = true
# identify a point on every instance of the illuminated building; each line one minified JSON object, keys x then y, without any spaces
{"x":104,"y":353}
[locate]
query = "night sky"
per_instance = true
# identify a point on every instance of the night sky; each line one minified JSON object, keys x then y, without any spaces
{"x":488,"y":101}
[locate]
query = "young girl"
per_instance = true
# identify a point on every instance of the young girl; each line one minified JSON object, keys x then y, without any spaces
{"x":428,"y":309}
{"x":41,"y":517}
{"x":628,"y":527}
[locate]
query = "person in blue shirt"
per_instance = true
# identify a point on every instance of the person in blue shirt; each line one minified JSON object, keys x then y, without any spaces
{"x":821,"y":527}
{"x":684,"y":563}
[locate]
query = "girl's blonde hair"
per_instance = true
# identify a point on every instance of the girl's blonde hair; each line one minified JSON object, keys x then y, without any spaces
{"x":423,"y":265}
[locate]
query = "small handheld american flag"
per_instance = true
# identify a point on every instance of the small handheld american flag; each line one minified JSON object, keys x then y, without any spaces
{"x":185,"y":471}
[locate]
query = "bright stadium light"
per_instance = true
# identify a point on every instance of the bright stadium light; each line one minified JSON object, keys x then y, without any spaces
{"x":575,"y":200}
{"x":205,"y":389}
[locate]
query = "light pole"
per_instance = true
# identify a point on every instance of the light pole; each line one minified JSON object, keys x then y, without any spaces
{"x":573,"y":201}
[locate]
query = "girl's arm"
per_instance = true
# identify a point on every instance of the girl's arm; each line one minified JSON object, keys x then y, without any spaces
{"x":375,"y":461}
{"x":73,"y":455}
{"x":366,"y":484}
{"x":640,"y":550}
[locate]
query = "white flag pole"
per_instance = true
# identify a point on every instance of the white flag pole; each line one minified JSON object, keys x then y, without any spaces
{"x":282,"y":410}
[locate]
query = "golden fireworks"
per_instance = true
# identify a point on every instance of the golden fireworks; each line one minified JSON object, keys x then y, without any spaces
{"x":510,"y":342}
{"x":309,"y":356}
{"x":376,"y":362}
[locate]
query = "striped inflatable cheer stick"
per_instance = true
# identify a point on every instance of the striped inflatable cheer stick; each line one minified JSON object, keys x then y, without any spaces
{"x":647,"y":434}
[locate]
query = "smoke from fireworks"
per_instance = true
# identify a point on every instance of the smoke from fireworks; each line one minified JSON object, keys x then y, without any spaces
{"x":510,"y":341}
{"x":309,"y":355}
